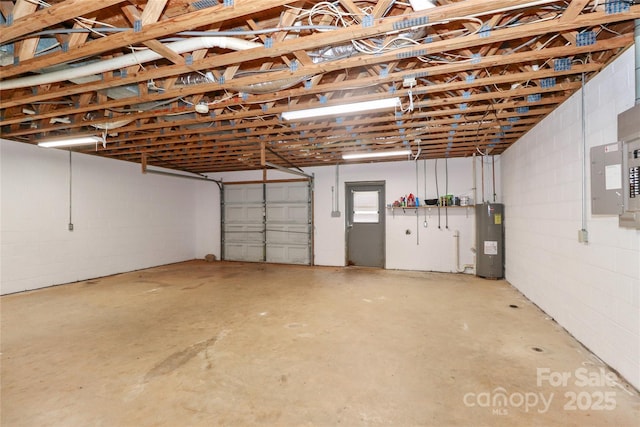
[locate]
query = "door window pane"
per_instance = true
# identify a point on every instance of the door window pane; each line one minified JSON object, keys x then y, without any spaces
{"x":365,"y":207}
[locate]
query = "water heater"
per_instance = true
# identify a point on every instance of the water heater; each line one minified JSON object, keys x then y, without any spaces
{"x":490,"y":240}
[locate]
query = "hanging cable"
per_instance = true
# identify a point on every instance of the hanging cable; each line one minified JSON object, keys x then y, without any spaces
{"x":417,"y":201}
{"x":437,"y":194}
{"x":70,"y":191}
{"x":446,"y":191}
{"x":424,"y":195}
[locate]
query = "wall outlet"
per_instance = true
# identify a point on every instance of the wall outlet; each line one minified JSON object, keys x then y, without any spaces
{"x":335,"y":214}
{"x":70,"y":226}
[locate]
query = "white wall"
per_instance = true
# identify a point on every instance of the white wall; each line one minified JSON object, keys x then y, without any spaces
{"x":430,"y":248}
{"x":592,"y":290}
{"x":123,"y":220}
{"x":207,"y":210}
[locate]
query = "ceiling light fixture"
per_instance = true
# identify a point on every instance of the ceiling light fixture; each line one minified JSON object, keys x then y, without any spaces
{"x":376,"y":154}
{"x":378,"y":104}
{"x":418,"y":5}
{"x":81,"y":140}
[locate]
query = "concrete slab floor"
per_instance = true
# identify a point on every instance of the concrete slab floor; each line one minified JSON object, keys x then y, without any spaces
{"x":234,"y":344}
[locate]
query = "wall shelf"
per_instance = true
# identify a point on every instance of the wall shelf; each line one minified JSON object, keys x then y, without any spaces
{"x":429,"y":209}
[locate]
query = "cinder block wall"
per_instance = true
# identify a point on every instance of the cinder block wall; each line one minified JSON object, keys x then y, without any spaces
{"x":123,"y":220}
{"x":592,"y":290}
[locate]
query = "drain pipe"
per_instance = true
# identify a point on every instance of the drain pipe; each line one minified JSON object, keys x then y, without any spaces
{"x":456,"y":236}
{"x":128,"y":60}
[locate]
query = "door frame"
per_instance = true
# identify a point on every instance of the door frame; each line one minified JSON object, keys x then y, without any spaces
{"x":383,"y":217}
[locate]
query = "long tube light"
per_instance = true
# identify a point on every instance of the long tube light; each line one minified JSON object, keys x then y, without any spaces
{"x":376,"y":154}
{"x":355,"y":107}
{"x":419,"y":5}
{"x":81,"y":140}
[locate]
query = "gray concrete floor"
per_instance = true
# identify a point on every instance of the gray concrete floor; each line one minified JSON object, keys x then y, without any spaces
{"x":208,"y":344}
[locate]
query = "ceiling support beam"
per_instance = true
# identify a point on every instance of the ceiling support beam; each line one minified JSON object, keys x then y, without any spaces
{"x":208,"y":16}
{"x":573,"y":10}
{"x":50,"y":16}
{"x":435,"y":47}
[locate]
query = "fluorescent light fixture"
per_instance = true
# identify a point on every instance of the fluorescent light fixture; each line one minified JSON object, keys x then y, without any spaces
{"x":82,"y":140}
{"x":355,"y":107}
{"x":418,"y":5}
{"x":376,"y":154}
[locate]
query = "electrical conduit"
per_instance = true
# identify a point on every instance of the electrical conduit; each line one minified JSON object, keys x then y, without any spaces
{"x":637,"y":51}
{"x":131,"y":59}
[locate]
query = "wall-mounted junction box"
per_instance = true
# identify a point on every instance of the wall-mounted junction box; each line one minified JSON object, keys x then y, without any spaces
{"x":615,"y":173}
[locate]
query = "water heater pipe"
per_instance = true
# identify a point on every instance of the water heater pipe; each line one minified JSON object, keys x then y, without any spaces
{"x":475,"y":179}
{"x":493,"y":179}
{"x":336,"y":200}
{"x":124,"y":61}
{"x":446,"y":191}
{"x":482,"y":176}
{"x":456,"y":236}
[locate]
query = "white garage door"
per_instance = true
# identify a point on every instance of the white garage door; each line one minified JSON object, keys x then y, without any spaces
{"x":243,"y":222}
{"x":268,"y":222}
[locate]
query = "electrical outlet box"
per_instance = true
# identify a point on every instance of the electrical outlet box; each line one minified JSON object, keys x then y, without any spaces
{"x":583,"y":236}
{"x":409,"y":82}
{"x":335,"y":214}
{"x":70,"y":226}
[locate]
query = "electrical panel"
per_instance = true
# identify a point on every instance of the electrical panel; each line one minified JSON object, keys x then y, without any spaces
{"x":629,"y":135}
{"x":615,"y":173}
{"x":606,"y":179}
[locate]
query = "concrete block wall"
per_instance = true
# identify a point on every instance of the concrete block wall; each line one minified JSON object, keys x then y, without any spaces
{"x":207,"y":225}
{"x":592,"y":290}
{"x":123,"y":220}
{"x":425,"y":248}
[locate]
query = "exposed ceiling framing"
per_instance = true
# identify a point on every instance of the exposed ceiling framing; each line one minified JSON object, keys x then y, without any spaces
{"x":472,"y":76}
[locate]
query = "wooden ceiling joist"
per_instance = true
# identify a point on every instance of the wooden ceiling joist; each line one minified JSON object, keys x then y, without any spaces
{"x":476,"y":82}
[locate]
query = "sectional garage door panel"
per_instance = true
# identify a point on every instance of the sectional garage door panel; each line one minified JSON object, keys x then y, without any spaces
{"x":287,"y":192}
{"x":287,"y":254}
{"x":288,"y":223}
{"x":288,"y":214}
{"x":244,"y":252}
{"x":243,"y":222}
{"x":270,"y":222}
{"x":288,"y":234}
{"x":246,"y":214}
{"x":249,"y":193}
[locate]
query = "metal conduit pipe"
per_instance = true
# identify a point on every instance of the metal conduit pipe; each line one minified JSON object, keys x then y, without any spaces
{"x":637,"y":51}
{"x":128,"y":60}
